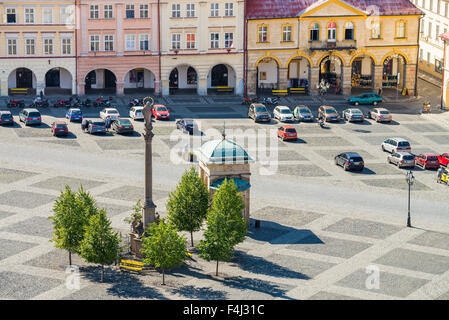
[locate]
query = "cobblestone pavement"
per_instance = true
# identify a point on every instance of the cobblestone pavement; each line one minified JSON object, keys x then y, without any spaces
{"x":304,"y":249}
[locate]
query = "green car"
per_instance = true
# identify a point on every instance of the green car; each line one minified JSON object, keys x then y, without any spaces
{"x":366,"y":98}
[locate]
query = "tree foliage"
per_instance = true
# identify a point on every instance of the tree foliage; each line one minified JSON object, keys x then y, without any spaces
{"x":188,"y":204}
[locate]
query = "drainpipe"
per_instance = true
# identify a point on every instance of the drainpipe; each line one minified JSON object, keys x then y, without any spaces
{"x":444,"y":67}
{"x":76,"y":47}
{"x":159,"y":45}
{"x":417,"y":55}
{"x":245,"y":52}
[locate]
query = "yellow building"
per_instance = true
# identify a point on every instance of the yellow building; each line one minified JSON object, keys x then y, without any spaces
{"x":346,"y":43}
{"x":37,"y":50}
{"x":201,"y":46}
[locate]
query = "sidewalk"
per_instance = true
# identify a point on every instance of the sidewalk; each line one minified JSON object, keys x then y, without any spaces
{"x":441,"y":118}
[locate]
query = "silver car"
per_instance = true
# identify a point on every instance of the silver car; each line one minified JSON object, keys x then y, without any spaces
{"x":353,"y":114}
{"x":303,"y":113}
{"x":30,"y":116}
{"x":96,"y":126}
{"x":402,"y":159}
{"x":395,"y":145}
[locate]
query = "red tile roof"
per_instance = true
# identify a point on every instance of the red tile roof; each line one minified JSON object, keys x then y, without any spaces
{"x":257,"y":9}
{"x":445,"y":36}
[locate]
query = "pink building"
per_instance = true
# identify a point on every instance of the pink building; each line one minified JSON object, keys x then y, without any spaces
{"x":117,"y":46}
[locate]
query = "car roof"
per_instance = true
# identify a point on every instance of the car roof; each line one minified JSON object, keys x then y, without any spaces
{"x":327,"y":107}
{"x":429,"y":154}
{"x":110,"y":109}
{"x":399,"y":139}
{"x":31,"y":109}
{"x":288,"y":127}
{"x":382,"y":109}
{"x":354,"y":109}
{"x":60,"y":122}
{"x":352,"y":154}
{"x":74,"y":109}
{"x":302,"y":106}
{"x":258,"y":105}
{"x":404,"y":153}
{"x":159,"y":105}
{"x":5,"y":111}
{"x":283,"y":107}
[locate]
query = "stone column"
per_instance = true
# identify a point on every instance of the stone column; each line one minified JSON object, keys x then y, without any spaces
{"x":120,"y":88}
{"x":202,"y":87}
{"x":283,"y":74}
{"x":314,"y":80}
{"x":410,"y":78}
{"x":346,"y":80}
{"x":81,"y":88}
{"x":4,"y":87}
{"x":238,"y":90}
{"x":165,"y":87}
{"x":251,"y":82}
{"x":378,"y":74}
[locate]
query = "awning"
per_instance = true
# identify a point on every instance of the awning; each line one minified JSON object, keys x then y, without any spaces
{"x":241,"y":184}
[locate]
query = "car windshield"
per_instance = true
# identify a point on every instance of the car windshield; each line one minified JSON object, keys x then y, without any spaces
{"x":161,"y":109}
{"x":189,"y":123}
{"x":384,"y":112}
{"x":304,"y":110}
{"x":285,"y":111}
{"x":261,"y":109}
{"x":356,"y":159}
{"x":408,"y":157}
{"x":112,"y":111}
{"x":356,"y":112}
{"x":61,"y":125}
{"x":330,"y":111}
{"x":34,"y":114}
{"x":125,"y":122}
{"x":6,"y":116}
{"x":138,"y":111}
{"x":432,"y":158}
{"x":404,"y":144}
{"x":76,"y":112}
{"x":98,"y":123}
{"x":291,"y":130}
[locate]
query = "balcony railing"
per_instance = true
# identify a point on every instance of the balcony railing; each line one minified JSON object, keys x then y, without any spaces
{"x":333,"y":45}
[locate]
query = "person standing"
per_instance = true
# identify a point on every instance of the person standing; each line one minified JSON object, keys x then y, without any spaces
{"x":84,"y":124}
{"x":440,"y":173}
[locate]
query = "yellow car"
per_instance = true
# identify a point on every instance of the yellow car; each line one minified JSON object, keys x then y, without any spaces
{"x":444,"y":177}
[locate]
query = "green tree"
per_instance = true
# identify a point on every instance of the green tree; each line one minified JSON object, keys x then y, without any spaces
{"x":101,"y":243}
{"x":226,"y":226}
{"x":136,"y":215}
{"x":187,"y":205}
{"x":164,"y":248}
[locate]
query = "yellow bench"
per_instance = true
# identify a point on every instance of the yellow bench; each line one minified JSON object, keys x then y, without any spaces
{"x":298,"y":90}
{"x":224,"y":89}
{"x":279,"y":92}
{"x":18,"y":90}
{"x":131,"y":265}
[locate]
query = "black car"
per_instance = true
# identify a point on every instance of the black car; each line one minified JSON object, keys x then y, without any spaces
{"x":6,"y":117}
{"x":350,"y":161}
{"x":186,"y":125}
{"x":122,"y":126}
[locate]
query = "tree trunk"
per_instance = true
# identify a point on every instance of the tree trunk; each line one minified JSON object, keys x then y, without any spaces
{"x":163,"y":277}
{"x":102,"y":273}
{"x":191,"y":237}
{"x":216,"y":270}
{"x":70,"y":258}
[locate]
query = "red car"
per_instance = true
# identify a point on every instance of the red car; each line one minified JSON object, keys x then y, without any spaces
{"x":59,"y":128}
{"x":444,"y":159}
{"x":427,"y":161}
{"x":287,"y":133}
{"x":160,"y":112}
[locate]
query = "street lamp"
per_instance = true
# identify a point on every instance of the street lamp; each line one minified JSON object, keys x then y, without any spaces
{"x":410,"y":178}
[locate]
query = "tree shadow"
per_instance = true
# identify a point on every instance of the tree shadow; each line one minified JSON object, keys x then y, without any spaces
{"x":365,"y":171}
{"x":193,"y":292}
{"x":69,"y":136}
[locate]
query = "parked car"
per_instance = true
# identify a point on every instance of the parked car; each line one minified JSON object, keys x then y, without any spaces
{"x":59,"y":128}
{"x":380,"y":115}
{"x":15,"y":103}
{"x":396,"y":144}
{"x":258,"y":112}
{"x":122,"y":126}
{"x":303,"y":113}
{"x":283,"y":114}
{"x":366,"y":98}
{"x":443,"y":159}
{"x":136,"y":113}
{"x":30,"y":116}
{"x":96,"y":126}
{"x":186,"y":125}
{"x":350,"y":161}
{"x":402,"y":159}
{"x":160,"y":111}
{"x":74,"y":114}
{"x":6,"y":117}
{"x":444,"y":178}
{"x":328,"y":113}
{"x":287,"y":133}
{"x":353,"y":114}
{"x":427,"y":161}
{"x":111,"y":113}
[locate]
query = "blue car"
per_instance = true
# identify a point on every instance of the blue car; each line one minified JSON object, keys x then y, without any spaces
{"x":366,"y":98}
{"x":74,"y":114}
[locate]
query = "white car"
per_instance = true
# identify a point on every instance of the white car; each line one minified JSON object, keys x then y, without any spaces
{"x":136,"y":113}
{"x":111,"y":113}
{"x":283,"y":114}
{"x":396,"y":145}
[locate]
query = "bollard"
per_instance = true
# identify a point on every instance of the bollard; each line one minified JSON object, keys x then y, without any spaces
{"x":257,"y":224}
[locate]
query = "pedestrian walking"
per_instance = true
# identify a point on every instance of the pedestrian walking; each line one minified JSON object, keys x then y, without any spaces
{"x":84,"y":124}
{"x":440,"y":173}
{"x":379,"y":92}
{"x":108,"y":123}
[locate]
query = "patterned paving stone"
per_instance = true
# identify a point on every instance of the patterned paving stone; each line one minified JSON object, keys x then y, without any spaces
{"x":4,"y":214}
{"x":23,"y":286}
{"x":312,"y":129}
{"x":378,"y":169}
{"x":330,"y":154}
{"x":326,"y":141}
{"x":159,"y":130}
{"x":330,"y":246}
{"x":266,"y":233}
{"x":438,"y":139}
{"x":444,"y":296}
{"x":33,"y":132}
{"x":253,"y":289}
{"x":11,"y":175}
{"x":128,"y":144}
{"x":323,"y":295}
{"x":304,"y":268}
{"x":303,"y":170}
{"x":12,"y":247}
{"x":211,"y":110}
{"x":424,"y":127}
{"x":432,"y":239}
{"x":290,"y":155}
{"x":69,"y":143}
{"x":377,"y":140}
{"x":399,"y":184}
{"x":415,"y":260}
{"x":34,"y":226}
{"x":389,"y":284}
{"x":131,"y":193}
{"x":367,"y":127}
{"x":113,"y":209}
{"x":364,"y":228}
{"x":56,"y":259}
{"x":285,"y":216}
{"x":23,"y":199}
{"x":59,"y":183}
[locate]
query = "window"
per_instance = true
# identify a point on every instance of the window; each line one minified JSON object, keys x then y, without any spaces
{"x":12,"y":47}
{"x":332,"y":32}
{"x":229,"y":40}
{"x":108,"y":11}
{"x":429,"y":30}
{"x":48,"y":46}
{"x":376,"y":30}
{"x":214,"y":40}
{"x":11,"y":15}
{"x":130,"y":42}
{"x":229,"y":9}
{"x":349,"y":31}
{"x":109,"y":42}
{"x":144,"y":42}
{"x":437,"y":32}
{"x":421,"y":55}
{"x":190,"y":9}
{"x":315,"y":32}
{"x":175,"y":10}
{"x":428,"y":58}
{"x":190,"y":41}
{"x":47,"y":15}
{"x":94,"y":12}
{"x":176,"y":41}
{"x":262,"y":33}
{"x":438,"y":66}
{"x":29,"y":15}
{"x":95,"y":42}
{"x":191,"y":76}
{"x":30,"y":46}
{"x":66,"y":15}
{"x":143,"y":11}
{"x":130,"y":11}
{"x":287,"y":33}
{"x":400,"y":29}
{"x":214,"y":10}
{"x":66,"y":46}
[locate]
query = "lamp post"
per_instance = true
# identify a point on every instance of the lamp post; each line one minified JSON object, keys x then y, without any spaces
{"x":410,"y":178}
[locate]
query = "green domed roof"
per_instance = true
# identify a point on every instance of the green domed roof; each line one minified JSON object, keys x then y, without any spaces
{"x":223,"y":151}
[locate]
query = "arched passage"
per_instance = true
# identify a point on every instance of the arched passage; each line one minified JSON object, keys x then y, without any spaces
{"x":267,"y":75}
{"x":100,"y":81}
{"x":58,"y":81}
{"x":139,"y":80}
{"x":331,"y":71}
{"x":298,"y":72}
{"x":221,"y":75}
{"x":394,"y":71}
{"x":22,"y":78}
{"x":362,"y":73}
{"x":183,"y":80}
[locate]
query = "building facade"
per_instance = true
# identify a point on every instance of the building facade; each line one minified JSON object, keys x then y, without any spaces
{"x":37,"y":47}
{"x":117,"y":46}
{"x":445,"y":74}
{"x":201,"y":46}
{"x":350,"y":44}
{"x":434,"y":23}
